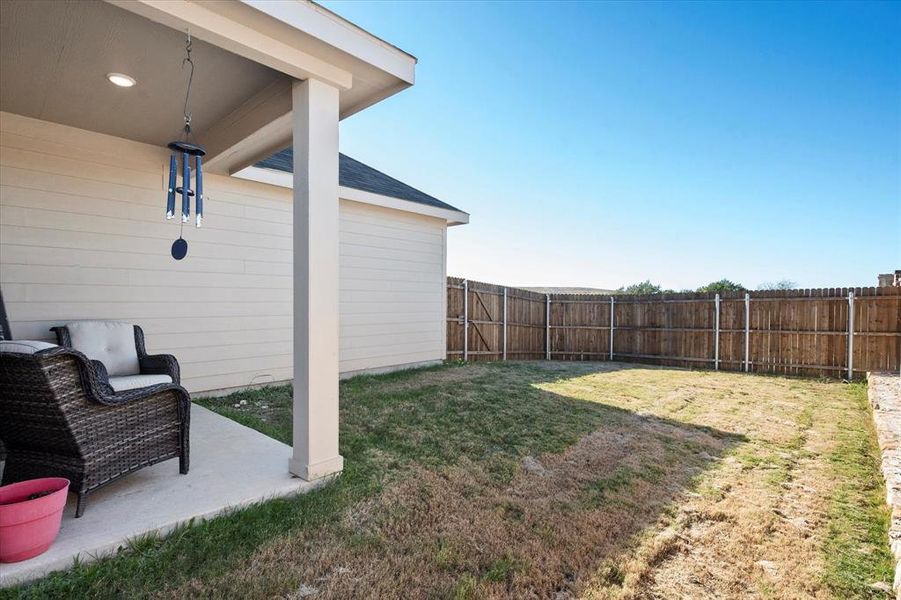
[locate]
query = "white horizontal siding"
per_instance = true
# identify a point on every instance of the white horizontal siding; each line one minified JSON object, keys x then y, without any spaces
{"x":392,"y":287}
{"x":82,"y":236}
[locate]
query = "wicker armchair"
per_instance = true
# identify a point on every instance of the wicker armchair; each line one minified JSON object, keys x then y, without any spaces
{"x":58,"y":419}
{"x":102,"y":343}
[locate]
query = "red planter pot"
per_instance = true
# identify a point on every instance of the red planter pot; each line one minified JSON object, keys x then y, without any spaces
{"x":28,"y":527}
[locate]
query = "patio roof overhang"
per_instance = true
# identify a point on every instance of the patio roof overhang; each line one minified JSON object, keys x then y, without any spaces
{"x":55,"y":57}
{"x":269,"y":74}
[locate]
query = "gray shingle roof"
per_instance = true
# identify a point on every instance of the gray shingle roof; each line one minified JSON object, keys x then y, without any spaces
{"x":354,"y":174}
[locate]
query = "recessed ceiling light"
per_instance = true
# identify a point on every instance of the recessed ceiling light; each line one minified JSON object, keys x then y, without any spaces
{"x":120,"y":79}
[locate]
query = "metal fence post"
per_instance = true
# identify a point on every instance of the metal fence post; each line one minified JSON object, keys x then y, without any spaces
{"x":465,"y":319}
{"x":547,"y":327}
{"x":611,"y":327}
{"x":850,"y":336}
{"x":505,"y":323}
{"x":747,"y":331}
{"x":716,"y":339}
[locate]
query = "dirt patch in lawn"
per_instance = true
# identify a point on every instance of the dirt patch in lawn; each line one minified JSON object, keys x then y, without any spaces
{"x":748,"y":532}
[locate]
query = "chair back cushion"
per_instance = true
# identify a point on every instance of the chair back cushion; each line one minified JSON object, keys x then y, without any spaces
{"x":24,"y":346}
{"x":110,"y":342}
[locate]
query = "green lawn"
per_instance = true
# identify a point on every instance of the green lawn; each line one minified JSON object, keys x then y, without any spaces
{"x":545,"y":479}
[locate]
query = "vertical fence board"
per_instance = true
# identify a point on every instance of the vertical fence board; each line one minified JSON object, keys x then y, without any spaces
{"x":454,"y":314}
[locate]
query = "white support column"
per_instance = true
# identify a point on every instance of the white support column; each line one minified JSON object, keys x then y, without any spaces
{"x":611,"y":327}
{"x":716,"y":338}
{"x":850,"y":336}
{"x":465,"y":319}
{"x":747,"y":332}
{"x":505,"y":323}
{"x":547,"y":327}
{"x":315,"y":411}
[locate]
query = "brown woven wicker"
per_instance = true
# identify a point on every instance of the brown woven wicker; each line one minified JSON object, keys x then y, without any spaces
{"x":58,"y":419}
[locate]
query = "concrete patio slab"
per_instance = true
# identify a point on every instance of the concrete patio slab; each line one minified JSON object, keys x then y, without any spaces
{"x":231,"y":466}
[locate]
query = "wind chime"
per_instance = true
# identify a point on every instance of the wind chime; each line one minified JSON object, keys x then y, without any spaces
{"x":185,"y":149}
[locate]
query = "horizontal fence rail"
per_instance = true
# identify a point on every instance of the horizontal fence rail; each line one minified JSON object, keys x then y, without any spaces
{"x":833,"y":332}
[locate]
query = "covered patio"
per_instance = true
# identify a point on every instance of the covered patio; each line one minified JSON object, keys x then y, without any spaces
{"x":268,"y":75}
{"x":234,"y":466}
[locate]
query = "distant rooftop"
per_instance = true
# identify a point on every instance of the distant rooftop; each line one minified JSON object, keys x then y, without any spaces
{"x":570,"y":290}
{"x":354,"y":174}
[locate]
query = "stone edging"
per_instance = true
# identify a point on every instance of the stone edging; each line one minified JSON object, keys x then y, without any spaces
{"x":884,"y":392}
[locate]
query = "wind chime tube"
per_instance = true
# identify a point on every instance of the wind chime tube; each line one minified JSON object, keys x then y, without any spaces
{"x":198,"y":190}
{"x":185,"y":188}
{"x":170,"y":199}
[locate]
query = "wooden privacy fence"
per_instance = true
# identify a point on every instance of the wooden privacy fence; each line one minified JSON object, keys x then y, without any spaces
{"x":835,"y":332}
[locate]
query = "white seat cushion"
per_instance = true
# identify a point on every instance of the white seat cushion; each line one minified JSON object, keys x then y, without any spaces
{"x":24,"y":346}
{"x":131,"y":382}
{"x":110,"y":342}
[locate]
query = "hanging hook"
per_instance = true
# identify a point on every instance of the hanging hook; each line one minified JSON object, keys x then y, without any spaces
{"x":187,"y":59}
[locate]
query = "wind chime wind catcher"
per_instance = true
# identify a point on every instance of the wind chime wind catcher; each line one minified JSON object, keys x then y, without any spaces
{"x":185,"y":149}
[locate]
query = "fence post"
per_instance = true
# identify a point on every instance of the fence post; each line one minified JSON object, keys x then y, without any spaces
{"x":611,"y":327}
{"x":716,"y":339}
{"x":547,"y":327}
{"x":850,"y":336}
{"x":505,"y":323}
{"x":747,"y":331}
{"x":465,"y":319}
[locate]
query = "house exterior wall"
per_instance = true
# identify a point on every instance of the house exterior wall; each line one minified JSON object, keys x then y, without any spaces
{"x":82,"y":236}
{"x":393,"y":288}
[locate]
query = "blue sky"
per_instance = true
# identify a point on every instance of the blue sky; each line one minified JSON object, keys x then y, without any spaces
{"x":604,"y":144}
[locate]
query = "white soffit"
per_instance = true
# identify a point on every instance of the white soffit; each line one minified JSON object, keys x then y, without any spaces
{"x":54,"y":57}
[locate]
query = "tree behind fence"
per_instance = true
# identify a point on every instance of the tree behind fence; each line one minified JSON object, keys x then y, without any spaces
{"x":798,"y":332}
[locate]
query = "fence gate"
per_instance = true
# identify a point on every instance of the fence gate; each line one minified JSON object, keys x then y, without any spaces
{"x":491,"y":322}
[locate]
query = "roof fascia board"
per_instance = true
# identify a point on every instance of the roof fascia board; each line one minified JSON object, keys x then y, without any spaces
{"x":453,"y":217}
{"x":241,"y":38}
{"x":340,"y":33}
{"x":286,"y":180}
